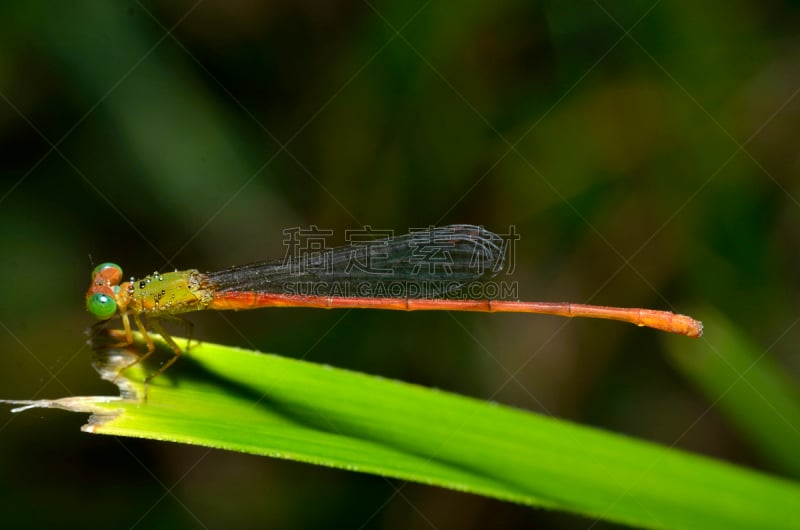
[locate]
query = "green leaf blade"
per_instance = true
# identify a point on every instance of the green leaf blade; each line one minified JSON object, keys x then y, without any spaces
{"x":232,"y":399}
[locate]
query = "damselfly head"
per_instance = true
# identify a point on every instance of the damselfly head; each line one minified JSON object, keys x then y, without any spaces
{"x":101,"y":297}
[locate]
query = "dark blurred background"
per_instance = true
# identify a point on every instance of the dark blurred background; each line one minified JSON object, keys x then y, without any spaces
{"x":646,"y":152}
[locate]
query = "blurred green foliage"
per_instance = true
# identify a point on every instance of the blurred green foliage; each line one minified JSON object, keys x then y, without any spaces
{"x":646,"y":152}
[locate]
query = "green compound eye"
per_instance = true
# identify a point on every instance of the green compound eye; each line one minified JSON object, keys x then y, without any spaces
{"x":101,"y":306}
{"x":106,"y":265}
